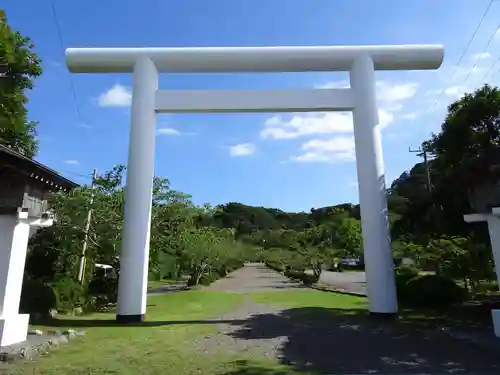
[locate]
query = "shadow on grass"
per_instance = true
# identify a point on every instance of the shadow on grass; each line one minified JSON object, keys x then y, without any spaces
{"x":343,"y":341}
{"x":339,"y":341}
{"x":80,"y":323}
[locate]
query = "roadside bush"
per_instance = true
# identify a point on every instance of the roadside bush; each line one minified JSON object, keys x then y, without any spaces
{"x":229,"y":267}
{"x":104,"y":288}
{"x":403,"y":275}
{"x":209,"y":278}
{"x":431,"y":291}
{"x":70,"y":294}
{"x":301,"y":276}
{"x":37,"y":297}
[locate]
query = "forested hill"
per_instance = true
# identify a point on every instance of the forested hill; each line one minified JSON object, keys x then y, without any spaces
{"x":247,"y":219}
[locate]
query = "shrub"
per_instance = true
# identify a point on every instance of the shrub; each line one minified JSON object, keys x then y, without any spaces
{"x":301,"y":276}
{"x":106,"y":288}
{"x":209,"y":278}
{"x":37,"y":297}
{"x":403,"y":275}
{"x":432,"y":291}
{"x":70,"y":294}
{"x":308,"y":279}
{"x":229,"y":267}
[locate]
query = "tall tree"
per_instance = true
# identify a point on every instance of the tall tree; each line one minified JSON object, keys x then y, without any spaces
{"x":19,"y":65}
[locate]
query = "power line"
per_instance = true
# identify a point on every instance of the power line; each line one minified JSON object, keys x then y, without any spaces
{"x":483,"y":51}
{"x":72,"y":87}
{"x":464,"y":52}
{"x":88,"y":176}
{"x":492,"y":67}
{"x":61,"y":41}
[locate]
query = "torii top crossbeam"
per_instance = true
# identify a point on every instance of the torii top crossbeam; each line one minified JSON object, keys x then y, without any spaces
{"x":254,"y":59}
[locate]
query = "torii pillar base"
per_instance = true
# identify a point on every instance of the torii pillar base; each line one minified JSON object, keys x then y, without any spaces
{"x":14,"y":236}
{"x":493,"y":220}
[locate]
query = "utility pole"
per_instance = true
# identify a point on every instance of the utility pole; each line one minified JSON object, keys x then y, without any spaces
{"x":423,"y":152}
{"x":81,"y":270}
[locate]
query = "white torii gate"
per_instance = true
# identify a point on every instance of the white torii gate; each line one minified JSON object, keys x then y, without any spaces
{"x":147,"y":100}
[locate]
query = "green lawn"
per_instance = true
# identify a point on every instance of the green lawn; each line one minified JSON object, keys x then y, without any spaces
{"x":164,"y":345}
{"x":155,"y":284}
{"x":310,"y":298}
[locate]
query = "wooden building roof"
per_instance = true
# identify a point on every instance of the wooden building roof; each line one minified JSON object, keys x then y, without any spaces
{"x":22,"y":164}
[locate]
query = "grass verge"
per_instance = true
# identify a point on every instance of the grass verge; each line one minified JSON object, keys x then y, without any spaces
{"x":308,"y":297}
{"x":160,"y":346}
{"x":157,"y":284}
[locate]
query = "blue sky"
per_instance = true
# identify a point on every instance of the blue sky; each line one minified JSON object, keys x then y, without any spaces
{"x":292,"y":161}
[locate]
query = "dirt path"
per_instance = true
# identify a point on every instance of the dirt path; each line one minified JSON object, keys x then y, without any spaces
{"x":333,"y":341}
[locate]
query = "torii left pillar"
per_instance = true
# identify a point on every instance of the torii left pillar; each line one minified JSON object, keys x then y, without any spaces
{"x":493,"y":221}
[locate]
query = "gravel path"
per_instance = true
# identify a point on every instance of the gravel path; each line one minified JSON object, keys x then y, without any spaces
{"x":333,"y":341}
{"x":254,"y":277}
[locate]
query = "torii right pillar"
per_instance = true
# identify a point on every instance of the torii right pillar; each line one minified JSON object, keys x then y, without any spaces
{"x":493,"y":221}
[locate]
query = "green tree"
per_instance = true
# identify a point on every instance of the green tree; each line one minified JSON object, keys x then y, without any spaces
{"x":19,"y":66}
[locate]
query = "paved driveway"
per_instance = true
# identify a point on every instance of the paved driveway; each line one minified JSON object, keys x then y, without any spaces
{"x":349,"y":281}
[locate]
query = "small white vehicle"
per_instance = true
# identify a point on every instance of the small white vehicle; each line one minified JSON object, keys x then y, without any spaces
{"x":104,"y":270}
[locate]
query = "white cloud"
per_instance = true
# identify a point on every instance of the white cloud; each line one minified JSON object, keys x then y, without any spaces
{"x":455,"y":91}
{"x":168,"y":131}
{"x":390,"y":96}
{"x":386,"y":91}
{"x":344,"y":84}
{"x":84,"y":126}
{"x":338,"y":149}
{"x":116,"y":96}
{"x":394,"y":92}
{"x":299,"y":125}
{"x":72,"y":162}
{"x":242,"y":149}
{"x":480,"y":56}
{"x":410,"y":116}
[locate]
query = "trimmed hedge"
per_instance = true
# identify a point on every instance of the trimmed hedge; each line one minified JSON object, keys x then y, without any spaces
{"x":209,"y":278}
{"x":293,"y":274}
{"x":301,"y":276}
{"x":432,"y":291}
